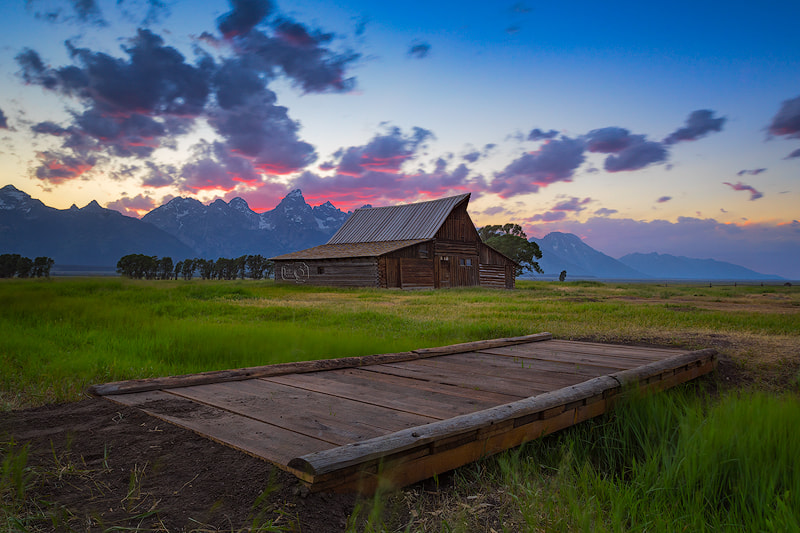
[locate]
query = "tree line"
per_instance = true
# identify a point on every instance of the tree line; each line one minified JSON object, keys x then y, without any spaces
{"x":140,"y":266}
{"x":23,"y":267}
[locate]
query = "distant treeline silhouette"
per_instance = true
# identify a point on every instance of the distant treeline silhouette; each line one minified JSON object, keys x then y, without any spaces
{"x":22,"y":267}
{"x":140,"y":266}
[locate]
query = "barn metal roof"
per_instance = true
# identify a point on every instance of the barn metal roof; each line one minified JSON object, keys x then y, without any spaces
{"x":397,"y":222}
{"x":341,"y":251}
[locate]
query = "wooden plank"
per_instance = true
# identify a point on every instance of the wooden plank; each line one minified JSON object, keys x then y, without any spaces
{"x":394,"y":396}
{"x":217,"y":376}
{"x":468,"y":380}
{"x":543,"y":366}
{"x":414,"y":445}
{"x":581,"y":355}
{"x":256,"y":438}
{"x":517,"y":373}
{"x":426,"y":385}
{"x":320,"y":416}
{"x":616,"y":349}
{"x":351,"y":455}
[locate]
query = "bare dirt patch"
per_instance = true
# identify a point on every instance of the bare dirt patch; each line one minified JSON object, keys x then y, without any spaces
{"x":96,"y":465}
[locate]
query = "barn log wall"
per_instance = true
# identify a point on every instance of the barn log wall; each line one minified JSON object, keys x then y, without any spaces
{"x":351,"y":272}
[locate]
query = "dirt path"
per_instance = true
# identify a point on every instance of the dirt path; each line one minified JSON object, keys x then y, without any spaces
{"x":97,"y":465}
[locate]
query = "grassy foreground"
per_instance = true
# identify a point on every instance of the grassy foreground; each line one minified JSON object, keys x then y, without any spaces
{"x":722,"y":459}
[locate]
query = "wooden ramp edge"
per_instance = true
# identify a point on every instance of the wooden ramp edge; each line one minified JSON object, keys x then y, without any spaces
{"x":414,"y":454}
{"x":240,"y":374}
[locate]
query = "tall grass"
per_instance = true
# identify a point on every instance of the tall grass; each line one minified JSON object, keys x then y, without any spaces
{"x":670,"y":462}
{"x":61,"y":335}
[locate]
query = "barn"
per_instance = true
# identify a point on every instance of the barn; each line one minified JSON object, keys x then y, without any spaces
{"x":426,"y":245}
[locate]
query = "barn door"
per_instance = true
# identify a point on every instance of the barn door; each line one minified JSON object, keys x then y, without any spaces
{"x":444,"y":272}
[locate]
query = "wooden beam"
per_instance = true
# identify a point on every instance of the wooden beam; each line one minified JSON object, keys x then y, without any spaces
{"x":417,"y":453}
{"x":219,"y":376}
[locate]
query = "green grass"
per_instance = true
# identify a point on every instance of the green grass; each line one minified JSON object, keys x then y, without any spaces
{"x":677,"y":461}
{"x":59,"y":336}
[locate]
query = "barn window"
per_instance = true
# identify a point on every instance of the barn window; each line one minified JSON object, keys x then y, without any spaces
{"x":468,"y":262}
{"x":320,"y":270}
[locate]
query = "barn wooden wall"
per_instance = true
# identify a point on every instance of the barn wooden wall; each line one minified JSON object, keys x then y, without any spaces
{"x":351,"y":272}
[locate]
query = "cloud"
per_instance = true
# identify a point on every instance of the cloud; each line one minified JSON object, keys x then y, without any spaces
{"x":549,"y":216}
{"x":58,"y":167}
{"x":243,"y":16}
{"x":159,"y":175}
{"x":609,"y":140}
{"x":637,"y":155}
{"x":472,"y":156}
{"x":539,"y":135}
{"x":135,"y":207}
{"x":82,"y":11}
{"x":699,"y":124}
{"x":664,"y":199}
{"x":554,"y":161}
{"x":300,"y":54}
{"x":215,"y":167}
{"x":794,"y":154}
{"x":419,"y":50}
{"x":603,"y":212}
{"x":380,"y":173}
{"x":739,"y":186}
{"x":385,"y":152}
{"x":754,"y":172}
{"x":764,"y":247}
{"x":3,"y":120}
{"x":573,"y":204}
{"x":786,"y":121}
{"x":145,"y":100}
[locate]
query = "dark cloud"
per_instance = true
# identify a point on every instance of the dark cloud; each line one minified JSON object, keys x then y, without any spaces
{"x":154,"y":10}
{"x":604,"y":212}
{"x":555,"y":161}
{"x":639,"y":154}
{"x":664,"y":199}
{"x":81,"y":11}
{"x":539,"y":135}
{"x":133,"y":207}
{"x":699,"y":124}
{"x":610,"y":140}
{"x":419,"y":50}
{"x":243,"y":16}
{"x":754,"y":172}
{"x":3,"y":120}
{"x":374,"y":173}
{"x":385,"y":152}
{"x":159,"y":175}
{"x":573,"y":204}
{"x":739,"y":186}
{"x":794,"y":154}
{"x":472,"y":156}
{"x":520,"y":8}
{"x":787,"y":121}
{"x":549,"y":216}
{"x":214,"y":166}
{"x":58,"y":167}
{"x":300,"y":54}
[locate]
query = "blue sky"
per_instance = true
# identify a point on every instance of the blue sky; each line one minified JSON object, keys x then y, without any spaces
{"x":638,"y":126}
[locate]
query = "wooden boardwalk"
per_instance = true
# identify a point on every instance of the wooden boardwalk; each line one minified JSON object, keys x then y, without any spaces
{"x":353,"y":423}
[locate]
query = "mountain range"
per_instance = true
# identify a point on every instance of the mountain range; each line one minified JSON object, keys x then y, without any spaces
{"x":186,"y":228}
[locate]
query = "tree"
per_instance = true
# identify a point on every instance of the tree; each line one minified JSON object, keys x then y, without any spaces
{"x":42,"y":266}
{"x":562,"y":276}
{"x":511,"y":241}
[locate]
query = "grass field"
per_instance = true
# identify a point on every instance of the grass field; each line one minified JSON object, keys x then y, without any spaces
{"x":653,"y":465}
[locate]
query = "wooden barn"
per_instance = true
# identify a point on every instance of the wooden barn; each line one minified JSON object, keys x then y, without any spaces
{"x":427,"y":245}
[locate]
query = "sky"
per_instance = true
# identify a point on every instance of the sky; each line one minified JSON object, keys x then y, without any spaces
{"x":638,"y":126}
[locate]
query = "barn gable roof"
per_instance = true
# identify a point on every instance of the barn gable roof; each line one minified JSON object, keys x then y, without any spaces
{"x":419,"y":221}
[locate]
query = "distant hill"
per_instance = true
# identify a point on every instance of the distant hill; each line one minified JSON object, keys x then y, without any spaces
{"x":565,"y":251}
{"x":666,"y":266}
{"x":90,"y":235}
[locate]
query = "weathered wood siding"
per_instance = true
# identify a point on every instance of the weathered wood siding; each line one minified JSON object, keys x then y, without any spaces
{"x":458,"y":227}
{"x":496,"y":270}
{"x":416,"y":273}
{"x":351,"y":272}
